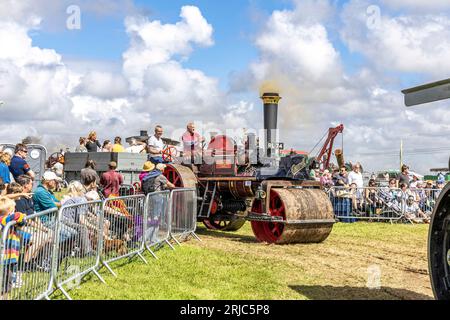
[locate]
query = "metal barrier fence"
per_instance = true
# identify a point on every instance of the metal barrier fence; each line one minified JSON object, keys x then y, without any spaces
{"x":183,"y":206}
{"x":26,"y":255}
{"x":54,"y":250}
{"x":383,"y":204}
{"x":157,"y":221}
{"x":126,"y":190}
{"x":123,"y":220}
{"x":78,"y":244}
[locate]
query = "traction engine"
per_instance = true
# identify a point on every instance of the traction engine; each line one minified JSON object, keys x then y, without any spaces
{"x":252,"y":183}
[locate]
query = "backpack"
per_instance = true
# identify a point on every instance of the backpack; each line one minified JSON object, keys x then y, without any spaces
{"x":148,"y":185}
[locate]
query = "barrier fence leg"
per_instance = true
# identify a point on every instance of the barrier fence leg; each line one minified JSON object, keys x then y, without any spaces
{"x":195,"y":236}
{"x":99,"y":276}
{"x":64,"y":293}
{"x":109,"y":269}
{"x":151,"y":252}
{"x":169,"y":244}
{"x":175,"y":239}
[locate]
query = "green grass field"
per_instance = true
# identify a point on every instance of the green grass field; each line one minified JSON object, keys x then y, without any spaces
{"x":235,"y":266}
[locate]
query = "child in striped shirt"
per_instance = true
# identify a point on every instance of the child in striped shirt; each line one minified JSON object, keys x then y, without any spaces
{"x":11,"y":250}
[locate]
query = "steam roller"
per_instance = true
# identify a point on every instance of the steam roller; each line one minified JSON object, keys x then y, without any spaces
{"x":251,"y":182}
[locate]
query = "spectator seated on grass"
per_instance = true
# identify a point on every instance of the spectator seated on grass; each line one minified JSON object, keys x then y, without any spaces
{"x":91,"y":218}
{"x":11,"y":253}
{"x":357,"y":200}
{"x":372,"y":199}
{"x":404,"y":193}
{"x":34,"y":236}
{"x":25,"y":204}
{"x":413,"y":212}
{"x":44,"y":199}
{"x":75,"y":214}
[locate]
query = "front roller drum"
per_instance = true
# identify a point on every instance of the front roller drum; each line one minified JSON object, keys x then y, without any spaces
{"x":439,"y":246}
{"x":297,"y":206}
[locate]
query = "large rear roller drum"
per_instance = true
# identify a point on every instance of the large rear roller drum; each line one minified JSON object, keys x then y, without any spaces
{"x":439,"y":246}
{"x":294,"y":204}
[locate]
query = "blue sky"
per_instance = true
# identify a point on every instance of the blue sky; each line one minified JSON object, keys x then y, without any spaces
{"x":235,"y":23}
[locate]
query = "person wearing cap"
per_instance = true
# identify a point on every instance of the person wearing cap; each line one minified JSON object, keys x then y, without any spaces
{"x":43,"y":197}
{"x":18,"y":165}
{"x":413,"y":212}
{"x":111,"y":181}
{"x":413,"y":184}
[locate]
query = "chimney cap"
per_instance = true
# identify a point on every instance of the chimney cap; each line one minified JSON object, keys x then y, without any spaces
{"x":270,"y":94}
{"x":271,"y":98}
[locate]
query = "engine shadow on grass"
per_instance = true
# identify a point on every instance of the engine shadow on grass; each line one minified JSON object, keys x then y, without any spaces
{"x":357,"y":293}
{"x":226,"y":234}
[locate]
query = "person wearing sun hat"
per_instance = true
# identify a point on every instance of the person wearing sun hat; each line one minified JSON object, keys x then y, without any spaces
{"x":152,"y":178}
{"x":148,"y":167}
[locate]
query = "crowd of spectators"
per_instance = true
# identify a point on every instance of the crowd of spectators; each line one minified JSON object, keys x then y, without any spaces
{"x":402,"y":196}
{"x":18,"y":200}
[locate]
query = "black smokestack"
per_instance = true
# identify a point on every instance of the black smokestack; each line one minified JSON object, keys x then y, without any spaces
{"x":270,"y":120}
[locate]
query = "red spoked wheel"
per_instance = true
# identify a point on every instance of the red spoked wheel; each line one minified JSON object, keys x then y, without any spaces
{"x":173,"y":176}
{"x":137,"y":187}
{"x":180,"y":176}
{"x":169,"y":154}
{"x":223,"y":225}
{"x":269,"y":232}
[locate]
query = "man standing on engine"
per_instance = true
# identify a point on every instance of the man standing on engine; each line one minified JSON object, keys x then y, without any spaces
{"x":192,"y":145}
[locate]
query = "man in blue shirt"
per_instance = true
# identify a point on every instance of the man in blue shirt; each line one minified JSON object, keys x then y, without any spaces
{"x":18,"y":165}
{"x":43,"y":197}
